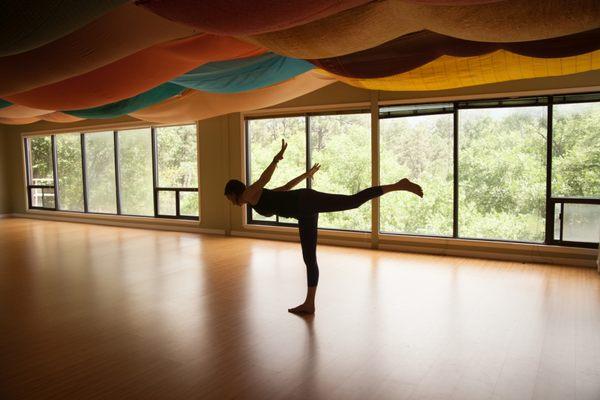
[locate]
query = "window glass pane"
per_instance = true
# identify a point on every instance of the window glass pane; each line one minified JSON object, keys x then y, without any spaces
{"x":188,"y":204}
{"x":100,"y":162}
{"x":48,"y":198}
{"x":177,"y":166}
{"x":70,"y":174}
{"x":576,"y":150}
{"x":581,"y":223}
{"x":40,"y":159}
{"x":557,"y":221}
{"x":37,"y":197}
{"x":264,"y":141}
{"x":135,"y":167}
{"x":166,"y":203}
{"x":418,"y":148}
{"x":502,"y":179}
{"x":342,"y":145}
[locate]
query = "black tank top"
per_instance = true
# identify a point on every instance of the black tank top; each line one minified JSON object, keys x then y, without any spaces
{"x":285,"y":203}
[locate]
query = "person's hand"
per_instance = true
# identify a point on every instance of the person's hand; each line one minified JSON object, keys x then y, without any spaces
{"x":312,"y":171}
{"x":279,"y":156}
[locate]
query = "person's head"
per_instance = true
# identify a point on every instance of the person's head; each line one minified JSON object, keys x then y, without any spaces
{"x":234,"y":190}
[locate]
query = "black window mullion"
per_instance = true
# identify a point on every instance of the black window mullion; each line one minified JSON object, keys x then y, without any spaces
{"x":117,"y":171}
{"x":248,"y":164}
{"x":549,"y":206}
{"x":84,"y":173}
{"x":455,"y":173}
{"x":28,"y":171}
{"x":154,"y":170}
{"x":177,"y":206}
{"x":55,"y":171}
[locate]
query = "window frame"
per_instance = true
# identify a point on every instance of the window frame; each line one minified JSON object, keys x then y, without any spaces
{"x":452,"y":107}
{"x":117,"y":177}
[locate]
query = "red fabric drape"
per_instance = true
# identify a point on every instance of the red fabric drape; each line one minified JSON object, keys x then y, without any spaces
{"x":416,"y":49}
{"x":99,"y":43}
{"x":246,"y":17}
{"x":134,"y":74}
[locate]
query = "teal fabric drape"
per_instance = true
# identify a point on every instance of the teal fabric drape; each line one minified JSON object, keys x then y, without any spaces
{"x":131,"y":104}
{"x":27,"y":25}
{"x":219,"y":77}
{"x":4,"y":103}
{"x":244,"y":74}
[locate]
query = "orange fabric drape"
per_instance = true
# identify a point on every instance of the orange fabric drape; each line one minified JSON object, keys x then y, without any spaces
{"x":135,"y":74}
{"x":60,"y":117}
{"x":196,"y":105}
{"x":118,"y":34}
{"x":17,"y":111}
{"x":19,"y":121}
{"x":56,"y":116}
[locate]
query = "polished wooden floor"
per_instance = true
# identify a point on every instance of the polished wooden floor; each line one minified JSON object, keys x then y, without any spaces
{"x":91,"y":312}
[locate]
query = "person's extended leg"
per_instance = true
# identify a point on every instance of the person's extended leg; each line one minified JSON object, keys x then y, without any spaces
{"x":329,"y":202}
{"x":308,"y":239}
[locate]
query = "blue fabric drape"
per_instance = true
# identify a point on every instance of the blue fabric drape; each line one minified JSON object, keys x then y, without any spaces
{"x":244,"y":74}
{"x":131,"y":104}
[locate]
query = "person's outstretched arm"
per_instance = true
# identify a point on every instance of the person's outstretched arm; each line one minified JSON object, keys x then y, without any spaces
{"x":291,"y":184}
{"x":265,"y":177}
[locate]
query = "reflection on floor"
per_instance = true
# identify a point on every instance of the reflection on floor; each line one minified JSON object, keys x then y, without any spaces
{"x":102,"y":312}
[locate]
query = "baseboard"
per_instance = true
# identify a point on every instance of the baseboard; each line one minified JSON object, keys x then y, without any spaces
{"x":123,"y":224}
{"x":2,"y":216}
{"x":517,"y":252}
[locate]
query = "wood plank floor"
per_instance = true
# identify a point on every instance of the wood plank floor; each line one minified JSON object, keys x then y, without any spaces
{"x":91,"y":312}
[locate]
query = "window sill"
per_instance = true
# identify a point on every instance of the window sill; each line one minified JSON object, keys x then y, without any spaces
{"x":322,"y":232}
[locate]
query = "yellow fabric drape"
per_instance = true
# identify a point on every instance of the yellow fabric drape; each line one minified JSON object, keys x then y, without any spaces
{"x":375,"y":23}
{"x":195,"y":105}
{"x":449,"y":72}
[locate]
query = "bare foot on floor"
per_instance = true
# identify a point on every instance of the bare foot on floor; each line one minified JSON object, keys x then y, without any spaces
{"x":302,"y":309}
{"x":405,"y":184}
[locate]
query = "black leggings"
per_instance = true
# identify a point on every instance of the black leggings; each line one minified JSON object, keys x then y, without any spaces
{"x":311,"y":204}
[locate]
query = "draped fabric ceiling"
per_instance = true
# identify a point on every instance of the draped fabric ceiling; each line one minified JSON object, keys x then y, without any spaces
{"x":173,"y":61}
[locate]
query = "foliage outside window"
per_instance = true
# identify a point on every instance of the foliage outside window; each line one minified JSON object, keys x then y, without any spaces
{"x":498,"y":148}
{"x":115,"y":172}
{"x":330,"y":139}
{"x":502,"y":178}
{"x":418,"y":148}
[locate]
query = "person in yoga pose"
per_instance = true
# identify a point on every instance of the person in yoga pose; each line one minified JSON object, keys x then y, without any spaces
{"x":305,"y":206}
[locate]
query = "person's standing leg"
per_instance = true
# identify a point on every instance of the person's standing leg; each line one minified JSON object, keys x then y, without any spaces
{"x":308,"y":239}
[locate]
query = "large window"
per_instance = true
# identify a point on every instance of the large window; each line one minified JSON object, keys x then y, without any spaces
{"x":502,"y":178}
{"x":264,"y":138}
{"x":519,"y":169}
{"x":340,"y":143}
{"x":40,"y":170}
{"x":575,"y":158}
{"x":135,"y":172}
{"x":417,"y":147}
{"x":116,"y":172}
{"x":100,"y":172}
{"x":70,"y":172}
{"x":177,"y":180}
